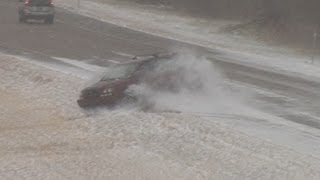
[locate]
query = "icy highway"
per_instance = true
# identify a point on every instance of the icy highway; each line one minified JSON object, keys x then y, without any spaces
{"x":285,"y":107}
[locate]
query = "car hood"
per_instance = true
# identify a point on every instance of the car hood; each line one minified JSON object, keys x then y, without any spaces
{"x":102,"y":85}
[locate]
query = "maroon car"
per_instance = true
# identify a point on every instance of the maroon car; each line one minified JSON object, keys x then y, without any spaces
{"x":112,"y":87}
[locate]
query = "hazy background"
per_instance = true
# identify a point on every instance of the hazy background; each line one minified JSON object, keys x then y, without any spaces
{"x":285,"y":21}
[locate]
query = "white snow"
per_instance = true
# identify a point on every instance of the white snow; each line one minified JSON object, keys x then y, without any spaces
{"x":167,"y":23}
{"x":61,"y":141}
{"x":81,"y":64}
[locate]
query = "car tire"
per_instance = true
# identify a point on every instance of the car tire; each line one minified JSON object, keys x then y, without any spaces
{"x":49,"y":20}
{"x":22,"y":19}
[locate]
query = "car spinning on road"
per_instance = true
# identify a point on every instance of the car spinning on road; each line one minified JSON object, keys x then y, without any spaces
{"x":37,"y":9}
{"x":111,"y":88}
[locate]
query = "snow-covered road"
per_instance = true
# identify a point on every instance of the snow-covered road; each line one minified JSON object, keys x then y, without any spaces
{"x":165,"y":22}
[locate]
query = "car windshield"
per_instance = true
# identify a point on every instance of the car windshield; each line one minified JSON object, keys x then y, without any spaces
{"x":40,"y":2}
{"x":120,"y":71}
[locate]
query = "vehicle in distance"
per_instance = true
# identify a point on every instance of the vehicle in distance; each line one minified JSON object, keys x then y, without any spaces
{"x":37,"y":9}
{"x":111,"y":88}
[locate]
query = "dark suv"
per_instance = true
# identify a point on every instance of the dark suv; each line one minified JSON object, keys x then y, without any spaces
{"x":37,"y":9}
{"x":112,"y":87}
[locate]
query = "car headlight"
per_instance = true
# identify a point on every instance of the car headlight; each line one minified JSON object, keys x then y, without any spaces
{"x":107,"y":92}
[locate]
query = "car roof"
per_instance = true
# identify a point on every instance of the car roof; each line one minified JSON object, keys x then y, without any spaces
{"x":144,"y":58}
{"x":38,"y":0}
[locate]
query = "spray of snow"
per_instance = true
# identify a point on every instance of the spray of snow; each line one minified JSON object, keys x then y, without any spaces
{"x":187,"y":83}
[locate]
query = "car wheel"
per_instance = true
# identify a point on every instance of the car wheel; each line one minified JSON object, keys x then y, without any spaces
{"x":22,"y":19}
{"x":49,"y":20}
{"x":128,"y":99}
